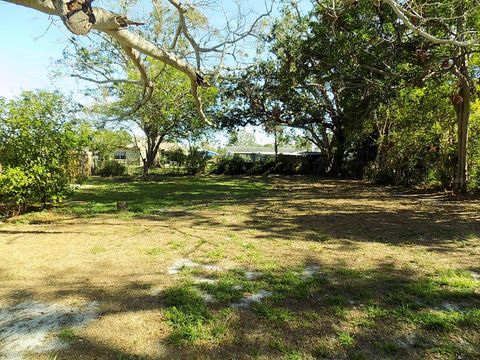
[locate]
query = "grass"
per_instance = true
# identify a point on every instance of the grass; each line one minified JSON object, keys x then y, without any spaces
{"x":97,"y":250}
{"x":100,"y":196}
{"x":68,"y":335}
{"x":397,"y":274}
{"x":345,"y":339}
{"x":154,"y":251}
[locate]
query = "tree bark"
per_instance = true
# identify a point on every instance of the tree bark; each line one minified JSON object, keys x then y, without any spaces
{"x":275,"y":142}
{"x":462,"y":109}
{"x":338,"y":156}
{"x":462,"y":104}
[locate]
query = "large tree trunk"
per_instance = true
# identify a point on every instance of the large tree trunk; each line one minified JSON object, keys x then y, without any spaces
{"x":153,"y":146}
{"x":462,"y":103}
{"x":150,"y":155}
{"x":338,"y":156}
{"x":275,"y":142}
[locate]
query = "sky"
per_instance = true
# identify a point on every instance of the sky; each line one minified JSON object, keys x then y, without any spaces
{"x":25,"y":55}
{"x":30,"y":44}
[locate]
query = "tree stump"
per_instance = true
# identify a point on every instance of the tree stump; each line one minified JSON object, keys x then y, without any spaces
{"x":122,"y":206}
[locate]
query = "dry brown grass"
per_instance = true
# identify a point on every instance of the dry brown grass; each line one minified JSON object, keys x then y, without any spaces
{"x":367,"y":240}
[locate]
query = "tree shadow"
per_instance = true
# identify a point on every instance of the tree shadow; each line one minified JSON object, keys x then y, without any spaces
{"x":335,"y":313}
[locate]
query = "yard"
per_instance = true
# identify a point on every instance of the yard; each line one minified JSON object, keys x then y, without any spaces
{"x":261,"y":268}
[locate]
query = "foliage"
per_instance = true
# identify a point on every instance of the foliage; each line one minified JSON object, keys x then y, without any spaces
{"x":231,"y":165}
{"x":374,"y":97}
{"x":112,"y":168}
{"x":40,"y":145}
{"x":16,"y":187}
{"x":416,"y":146}
{"x":105,"y":142}
{"x":474,"y":146}
{"x":241,"y":138}
{"x":195,"y":161}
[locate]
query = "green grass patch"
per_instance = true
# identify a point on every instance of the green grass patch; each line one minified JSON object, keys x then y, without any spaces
{"x":100,"y":195}
{"x":154,"y":251}
{"x":68,"y":335}
{"x":187,"y":313}
{"x":97,"y":250}
{"x":227,"y":289}
{"x":273,"y":313}
{"x":345,"y":339}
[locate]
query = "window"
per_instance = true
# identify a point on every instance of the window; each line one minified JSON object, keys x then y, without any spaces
{"x":120,"y":155}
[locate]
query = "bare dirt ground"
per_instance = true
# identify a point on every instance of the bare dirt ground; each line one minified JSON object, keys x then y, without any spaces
{"x":351,"y":271}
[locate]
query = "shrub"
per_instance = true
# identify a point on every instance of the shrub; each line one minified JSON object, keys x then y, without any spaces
{"x":39,"y":146}
{"x":15,"y":187}
{"x":262,"y":168}
{"x":235,"y":165}
{"x":195,"y":162}
{"x":22,"y":187}
{"x":112,"y":168}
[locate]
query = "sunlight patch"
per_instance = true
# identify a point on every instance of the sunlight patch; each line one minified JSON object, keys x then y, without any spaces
{"x":26,"y":327}
{"x":253,"y":275}
{"x":181,"y":264}
{"x":253,"y":298}
{"x":311,"y":270}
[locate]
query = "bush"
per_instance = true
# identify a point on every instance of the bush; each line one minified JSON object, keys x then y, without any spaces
{"x":195,"y":162}
{"x":39,"y":147}
{"x":235,"y":165}
{"x":262,"y":168}
{"x":112,"y":168}
{"x":15,"y":188}
{"x":22,"y":187}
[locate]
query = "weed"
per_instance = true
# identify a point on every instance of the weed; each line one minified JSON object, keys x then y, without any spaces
{"x":436,"y":320}
{"x":175,"y":244}
{"x":97,"y":250}
{"x":273,"y":314}
{"x":154,"y":251}
{"x":345,"y":339}
{"x":68,"y":335}
{"x":375,"y":312}
{"x":294,"y":355}
{"x":187,"y":313}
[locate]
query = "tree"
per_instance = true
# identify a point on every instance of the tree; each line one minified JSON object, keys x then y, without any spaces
{"x":106,"y":141}
{"x":169,"y":115}
{"x":81,"y":18}
{"x":241,"y":138}
{"x":416,"y":142}
{"x":453,"y":24}
{"x":40,"y":143}
{"x":326,"y":74}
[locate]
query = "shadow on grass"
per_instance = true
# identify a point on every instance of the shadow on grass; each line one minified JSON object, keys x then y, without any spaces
{"x":308,"y":209}
{"x":100,"y":196}
{"x":336,"y":313}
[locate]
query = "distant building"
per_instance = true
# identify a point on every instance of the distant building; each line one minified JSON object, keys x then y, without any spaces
{"x":132,"y":153}
{"x":294,"y":160}
{"x":261,"y":153}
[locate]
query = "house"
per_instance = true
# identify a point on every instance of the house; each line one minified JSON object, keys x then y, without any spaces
{"x":261,"y":153}
{"x":132,"y":153}
{"x":293,"y":160}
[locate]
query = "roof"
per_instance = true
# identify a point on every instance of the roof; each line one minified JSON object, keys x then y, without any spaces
{"x":142,"y":145}
{"x":262,"y":150}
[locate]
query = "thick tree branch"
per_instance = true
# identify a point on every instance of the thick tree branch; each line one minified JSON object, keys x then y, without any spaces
{"x":403,"y":15}
{"x":115,"y":25}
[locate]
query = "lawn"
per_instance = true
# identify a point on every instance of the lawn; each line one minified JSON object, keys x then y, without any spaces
{"x":244,"y":268}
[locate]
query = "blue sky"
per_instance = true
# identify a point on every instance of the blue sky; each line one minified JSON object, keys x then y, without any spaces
{"x":27,"y":49}
{"x":29,"y":45}
{"x":25,"y":59}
